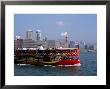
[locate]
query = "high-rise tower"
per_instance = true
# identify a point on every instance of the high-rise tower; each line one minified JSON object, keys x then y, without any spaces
{"x":30,"y":34}
{"x":38,"y":35}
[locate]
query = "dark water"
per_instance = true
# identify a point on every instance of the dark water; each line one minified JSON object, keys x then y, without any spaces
{"x":88,"y":68}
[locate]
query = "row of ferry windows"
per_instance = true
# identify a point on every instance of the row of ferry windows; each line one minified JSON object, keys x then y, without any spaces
{"x":46,"y":51}
{"x":71,"y":57}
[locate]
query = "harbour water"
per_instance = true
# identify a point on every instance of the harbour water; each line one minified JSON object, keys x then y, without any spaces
{"x":88,"y":68}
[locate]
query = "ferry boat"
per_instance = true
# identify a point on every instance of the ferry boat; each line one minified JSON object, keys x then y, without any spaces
{"x":70,"y":57}
{"x":59,"y":56}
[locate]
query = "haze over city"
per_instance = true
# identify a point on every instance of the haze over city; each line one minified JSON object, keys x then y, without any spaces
{"x":80,"y":27}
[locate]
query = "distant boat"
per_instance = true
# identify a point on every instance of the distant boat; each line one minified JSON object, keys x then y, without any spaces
{"x":93,"y":51}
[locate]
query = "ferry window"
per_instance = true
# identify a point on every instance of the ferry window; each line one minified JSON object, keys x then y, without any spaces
{"x":70,"y":57}
{"x":67,"y":57}
{"x":75,"y":57}
{"x":74,"y":50}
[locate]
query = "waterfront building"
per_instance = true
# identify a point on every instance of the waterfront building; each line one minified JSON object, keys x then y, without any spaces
{"x":51,"y":44}
{"x":58,"y":44}
{"x":29,"y":43}
{"x":26,"y":43}
{"x":18,"y":43}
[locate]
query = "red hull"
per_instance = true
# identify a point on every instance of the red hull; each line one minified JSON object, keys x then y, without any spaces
{"x":68,"y":62}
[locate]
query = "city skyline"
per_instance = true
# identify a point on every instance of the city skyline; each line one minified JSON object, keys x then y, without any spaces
{"x":80,"y":27}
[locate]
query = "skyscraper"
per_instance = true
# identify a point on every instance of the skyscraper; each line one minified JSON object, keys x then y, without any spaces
{"x":71,"y":44}
{"x":77,"y":44}
{"x":38,"y":35}
{"x":30,"y":34}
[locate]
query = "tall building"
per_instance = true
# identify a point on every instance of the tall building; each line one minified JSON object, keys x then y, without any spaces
{"x":91,"y":47}
{"x":86,"y":47}
{"x":82,"y":45}
{"x":71,"y":44}
{"x":77,"y":44}
{"x":38,"y":35}
{"x":66,"y":42}
{"x":29,"y":34}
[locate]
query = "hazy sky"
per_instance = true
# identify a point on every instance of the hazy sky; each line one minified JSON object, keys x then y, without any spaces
{"x":80,"y":27}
